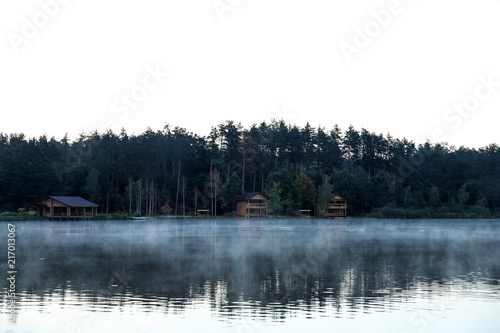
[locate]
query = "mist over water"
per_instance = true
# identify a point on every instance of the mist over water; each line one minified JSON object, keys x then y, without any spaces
{"x":251,"y":275}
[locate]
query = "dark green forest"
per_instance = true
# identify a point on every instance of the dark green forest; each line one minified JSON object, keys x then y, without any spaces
{"x":174,"y":172}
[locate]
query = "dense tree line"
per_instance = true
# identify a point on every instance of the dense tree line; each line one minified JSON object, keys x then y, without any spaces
{"x":172,"y":171}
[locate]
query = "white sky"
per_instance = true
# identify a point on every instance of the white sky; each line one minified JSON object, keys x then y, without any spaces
{"x":265,"y":59}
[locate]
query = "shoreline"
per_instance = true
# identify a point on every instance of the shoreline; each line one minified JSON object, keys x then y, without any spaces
{"x":25,"y":219}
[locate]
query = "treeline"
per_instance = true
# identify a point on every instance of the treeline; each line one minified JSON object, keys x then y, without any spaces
{"x":172,"y":171}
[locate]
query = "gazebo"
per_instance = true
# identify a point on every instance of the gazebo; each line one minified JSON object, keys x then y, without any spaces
{"x":64,"y":207}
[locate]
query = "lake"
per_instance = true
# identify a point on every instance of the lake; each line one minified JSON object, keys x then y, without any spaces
{"x":254,"y":275}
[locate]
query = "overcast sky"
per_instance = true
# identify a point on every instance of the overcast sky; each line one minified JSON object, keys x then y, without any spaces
{"x":418,"y":69}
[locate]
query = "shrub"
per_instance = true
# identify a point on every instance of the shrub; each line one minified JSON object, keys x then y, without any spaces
{"x":390,"y":213}
{"x":479,"y":210}
{"x":452,"y":215}
{"x":8,"y":214}
{"x":113,"y":216}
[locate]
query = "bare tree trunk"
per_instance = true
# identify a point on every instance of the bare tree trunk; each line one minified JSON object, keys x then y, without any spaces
{"x":157,"y":202}
{"x":178,"y":185}
{"x":146,"y":193}
{"x":314,"y":203}
{"x":262,"y":180}
{"x":211,"y":188}
{"x":136,"y":186}
{"x":243,"y":173}
{"x":139,"y":191}
{"x":151,"y":198}
{"x":107,"y":202}
{"x":254,"y":179}
{"x":136,"y":189}
{"x":183,"y":196}
{"x":195,"y":200}
{"x":164,"y":170}
{"x":173,"y":169}
{"x":130,"y":195}
{"x":215,"y":191}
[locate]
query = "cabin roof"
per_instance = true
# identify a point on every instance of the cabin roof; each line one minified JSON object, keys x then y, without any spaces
{"x":250,"y":195}
{"x":336,"y":193}
{"x":71,"y":201}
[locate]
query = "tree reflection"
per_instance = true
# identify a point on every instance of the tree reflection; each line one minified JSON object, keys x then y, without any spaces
{"x":262,"y":266}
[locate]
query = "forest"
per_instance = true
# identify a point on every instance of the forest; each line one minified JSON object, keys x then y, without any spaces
{"x":175,"y":172}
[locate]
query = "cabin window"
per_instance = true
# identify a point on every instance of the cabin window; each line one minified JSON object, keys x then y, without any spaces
{"x":255,"y":201}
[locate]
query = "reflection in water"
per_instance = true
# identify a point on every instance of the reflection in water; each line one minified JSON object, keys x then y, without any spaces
{"x":269,"y":271}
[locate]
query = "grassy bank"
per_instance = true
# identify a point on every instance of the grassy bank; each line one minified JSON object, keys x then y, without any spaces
{"x":18,"y":216}
{"x":381,"y":213}
{"x":443,"y":212}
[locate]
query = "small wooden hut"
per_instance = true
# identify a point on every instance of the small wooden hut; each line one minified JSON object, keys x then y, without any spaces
{"x":305,"y":213}
{"x":251,"y":204}
{"x":203,"y":213}
{"x":337,"y":207}
{"x":64,"y":207}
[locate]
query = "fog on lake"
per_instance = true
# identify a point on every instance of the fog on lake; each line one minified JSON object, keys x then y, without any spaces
{"x":256,"y":275}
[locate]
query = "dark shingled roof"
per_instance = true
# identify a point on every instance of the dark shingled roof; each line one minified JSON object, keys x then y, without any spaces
{"x":74,"y":201}
{"x":250,"y":195}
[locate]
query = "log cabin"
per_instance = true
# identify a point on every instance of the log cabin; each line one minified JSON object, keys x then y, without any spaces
{"x":64,"y":207}
{"x":337,"y":207}
{"x":251,"y":204}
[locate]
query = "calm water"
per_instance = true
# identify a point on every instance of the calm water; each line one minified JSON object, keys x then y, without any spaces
{"x":255,"y":276}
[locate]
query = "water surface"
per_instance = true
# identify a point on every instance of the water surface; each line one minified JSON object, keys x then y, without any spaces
{"x":256,"y":275}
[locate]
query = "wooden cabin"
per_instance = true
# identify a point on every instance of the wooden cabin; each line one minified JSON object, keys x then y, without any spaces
{"x":64,"y":207}
{"x":251,"y":204}
{"x":337,"y":207}
{"x":305,"y":213}
{"x":203,"y":213}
